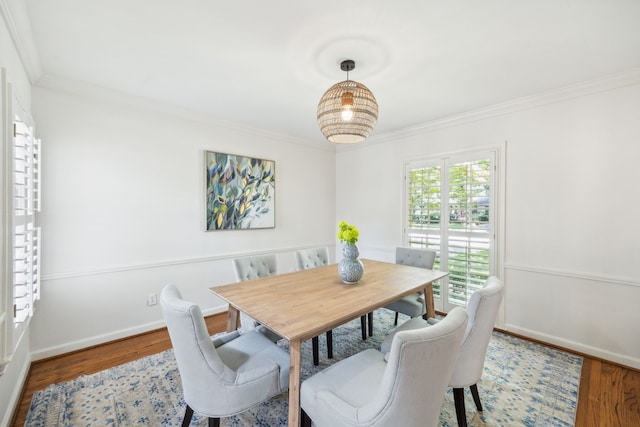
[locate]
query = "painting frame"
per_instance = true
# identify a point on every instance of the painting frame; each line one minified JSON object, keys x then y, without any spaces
{"x":239,"y":192}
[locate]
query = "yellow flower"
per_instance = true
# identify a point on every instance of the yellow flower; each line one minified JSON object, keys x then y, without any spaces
{"x":348,"y":233}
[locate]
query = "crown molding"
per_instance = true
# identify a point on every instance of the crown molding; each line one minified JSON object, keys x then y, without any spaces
{"x":83,"y":89}
{"x":590,"y":87}
{"x":17,"y":20}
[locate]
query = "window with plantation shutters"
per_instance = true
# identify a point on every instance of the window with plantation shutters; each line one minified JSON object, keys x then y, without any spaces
{"x":26,"y":236}
{"x":20,"y":181}
{"x":450,"y":208}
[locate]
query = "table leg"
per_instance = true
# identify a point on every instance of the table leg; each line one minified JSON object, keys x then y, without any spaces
{"x":233,"y":316}
{"x":428,"y":297}
{"x":294,"y":383}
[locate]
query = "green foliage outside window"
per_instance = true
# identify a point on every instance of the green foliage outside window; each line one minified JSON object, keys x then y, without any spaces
{"x":465,"y":203}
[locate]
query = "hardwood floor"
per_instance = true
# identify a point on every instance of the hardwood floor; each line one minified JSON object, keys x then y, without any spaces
{"x":84,"y":362}
{"x":608,"y":396}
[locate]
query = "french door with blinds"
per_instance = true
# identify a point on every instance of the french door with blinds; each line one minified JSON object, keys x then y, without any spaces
{"x":450,"y":208}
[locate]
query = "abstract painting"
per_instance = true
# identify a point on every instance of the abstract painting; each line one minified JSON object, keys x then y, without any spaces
{"x":240,"y":192}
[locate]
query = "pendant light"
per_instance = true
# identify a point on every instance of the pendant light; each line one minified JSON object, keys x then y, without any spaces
{"x":348,"y":111}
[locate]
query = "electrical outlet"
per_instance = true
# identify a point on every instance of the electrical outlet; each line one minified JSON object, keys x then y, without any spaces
{"x":152,"y":299}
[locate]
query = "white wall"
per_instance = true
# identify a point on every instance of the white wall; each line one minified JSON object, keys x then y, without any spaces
{"x":123,"y":213}
{"x":572,"y":244}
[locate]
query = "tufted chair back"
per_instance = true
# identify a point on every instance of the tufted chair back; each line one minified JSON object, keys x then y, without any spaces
{"x":311,"y":258}
{"x":254,"y":267}
{"x":416,"y":257}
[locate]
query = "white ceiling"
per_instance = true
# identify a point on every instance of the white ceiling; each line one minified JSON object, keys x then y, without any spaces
{"x":266,"y":63}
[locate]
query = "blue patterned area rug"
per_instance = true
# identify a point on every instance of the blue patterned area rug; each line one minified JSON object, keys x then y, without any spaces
{"x":523,"y":384}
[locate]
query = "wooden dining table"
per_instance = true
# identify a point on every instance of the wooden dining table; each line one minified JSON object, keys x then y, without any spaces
{"x":304,"y":304}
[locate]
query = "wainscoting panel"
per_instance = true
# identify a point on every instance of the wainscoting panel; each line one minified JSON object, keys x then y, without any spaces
{"x":582,"y":312}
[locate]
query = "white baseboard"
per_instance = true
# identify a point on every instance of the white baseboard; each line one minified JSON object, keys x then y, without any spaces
{"x":575,"y":346}
{"x":112,"y":336}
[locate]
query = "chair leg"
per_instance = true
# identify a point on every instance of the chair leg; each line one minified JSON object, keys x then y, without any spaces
{"x":476,"y":397}
{"x":363,"y":326}
{"x":316,"y":357}
{"x":188,"y":413}
{"x":395,"y":322}
{"x":330,"y":344}
{"x":305,"y":421}
{"x":214,"y":422}
{"x":371,"y":324}
{"x":458,"y":399}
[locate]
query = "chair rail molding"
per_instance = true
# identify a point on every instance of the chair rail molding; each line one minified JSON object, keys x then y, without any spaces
{"x":172,"y":262}
{"x":574,"y":275}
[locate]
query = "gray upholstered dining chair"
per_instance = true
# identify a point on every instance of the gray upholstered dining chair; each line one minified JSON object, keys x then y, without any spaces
{"x":224,"y":376}
{"x":413,"y":305}
{"x":254,"y":267}
{"x":312,"y":258}
{"x":483,"y":309}
{"x":403,"y":388}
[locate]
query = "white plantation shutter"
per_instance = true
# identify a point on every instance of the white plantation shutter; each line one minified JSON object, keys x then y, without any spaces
{"x":424,"y":202}
{"x":469,"y":230}
{"x":21,"y":184}
{"x":451,"y":210}
{"x":26,"y":236}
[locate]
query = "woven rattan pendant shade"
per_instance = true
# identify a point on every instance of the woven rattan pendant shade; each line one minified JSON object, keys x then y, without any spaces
{"x":347,"y":112}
